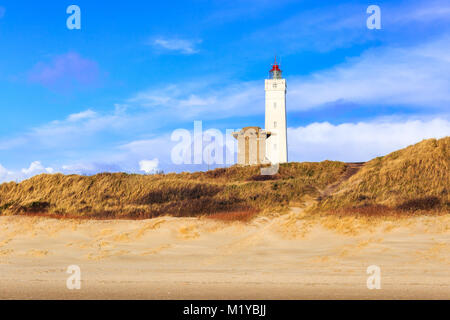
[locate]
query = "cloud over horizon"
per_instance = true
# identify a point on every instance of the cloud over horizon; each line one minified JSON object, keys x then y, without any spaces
{"x":35,"y":168}
{"x":348,"y":142}
{"x":362,"y":141}
{"x":149,"y":166}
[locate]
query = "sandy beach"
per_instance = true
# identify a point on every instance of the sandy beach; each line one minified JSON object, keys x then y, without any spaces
{"x":289,"y":256}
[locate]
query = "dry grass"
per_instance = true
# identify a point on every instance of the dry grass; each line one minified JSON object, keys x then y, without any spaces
{"x":412,"y":180}
{"x":132,"y":196}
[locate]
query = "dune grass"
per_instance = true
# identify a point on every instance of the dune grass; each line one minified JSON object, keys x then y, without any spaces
{"x":133,"y":196}
{"x":414,"y":179}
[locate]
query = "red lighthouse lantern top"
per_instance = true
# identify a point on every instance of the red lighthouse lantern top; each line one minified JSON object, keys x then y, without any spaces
{"x":275,"y":72}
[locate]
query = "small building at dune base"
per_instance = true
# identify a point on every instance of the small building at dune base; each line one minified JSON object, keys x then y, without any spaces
{"x":252,"y":146}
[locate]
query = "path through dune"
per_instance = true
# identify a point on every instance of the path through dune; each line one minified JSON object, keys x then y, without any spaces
{"x":351,"y":168}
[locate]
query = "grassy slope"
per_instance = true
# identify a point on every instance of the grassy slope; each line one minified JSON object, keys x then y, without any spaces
{"x":122,"y":195}
{"x":414,"y":178}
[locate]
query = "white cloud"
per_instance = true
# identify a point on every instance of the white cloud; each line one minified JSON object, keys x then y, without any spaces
{"x":360,"y":141}
{"x":49,"y":170}
{"x":149,"y":166}
{"x":122,"y":157}
{"x":147,"y":147}
{"x":36,"y":167}
{"x":180,"y":45}
{"x":5,"y":175}
{"x":183,"y":102}
{"x":75,"y":130}
{"x":88,"y":114}
{"x":417,"y":76}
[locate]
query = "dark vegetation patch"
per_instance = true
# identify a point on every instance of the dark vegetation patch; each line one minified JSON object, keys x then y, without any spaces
{"x":260,"y":177}
{"x":183,"y":192}
{"x":35,"y":207}
{"x":426,"y":203}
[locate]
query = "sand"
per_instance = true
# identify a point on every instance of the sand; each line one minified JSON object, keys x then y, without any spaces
{"x":289,"y":256}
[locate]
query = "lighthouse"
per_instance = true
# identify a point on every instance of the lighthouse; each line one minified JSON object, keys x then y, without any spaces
{"x":276,"y":143}
{"x":269,"y":145}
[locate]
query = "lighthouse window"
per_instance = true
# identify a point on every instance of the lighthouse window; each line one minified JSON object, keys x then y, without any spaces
{"x":274,"y":105}
{"x":274,"y":147}
{"x":275,"y":124}
{"x":275,"y":85}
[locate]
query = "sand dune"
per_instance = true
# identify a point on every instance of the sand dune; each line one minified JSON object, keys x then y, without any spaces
{"x":290,"y":256}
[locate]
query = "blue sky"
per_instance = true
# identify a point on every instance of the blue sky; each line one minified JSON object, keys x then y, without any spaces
{"x":108,"y":97}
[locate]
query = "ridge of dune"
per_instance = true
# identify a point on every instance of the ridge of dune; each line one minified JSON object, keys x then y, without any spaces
{"x":413,"y":179}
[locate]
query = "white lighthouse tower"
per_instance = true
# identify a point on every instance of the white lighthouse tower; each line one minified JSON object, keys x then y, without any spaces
{"x":276,"y":144}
